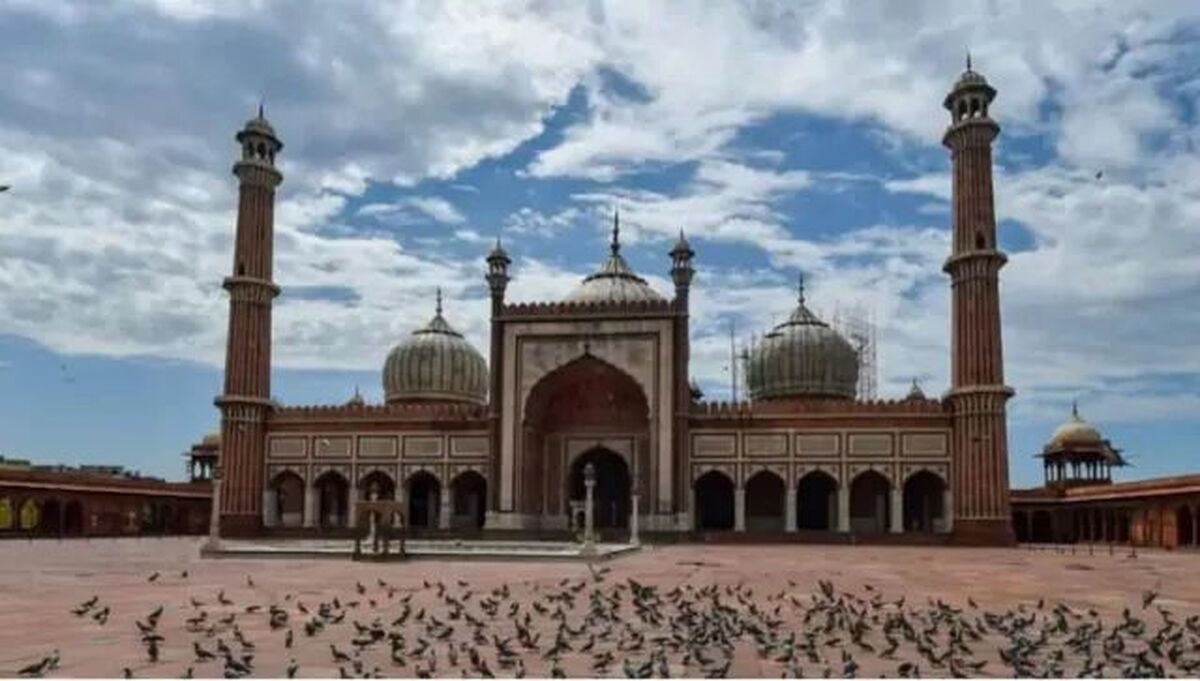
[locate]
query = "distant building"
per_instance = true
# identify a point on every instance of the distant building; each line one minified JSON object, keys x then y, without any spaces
{"x":599,"y":381}
{"x":1079,"y":502}
{"x":90,"y":500}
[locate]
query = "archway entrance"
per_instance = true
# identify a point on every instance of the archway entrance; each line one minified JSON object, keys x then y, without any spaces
{"x":765,"y":499}
{"x":470,"y":497}
{"x":333,"y":495}
{"x":73,"y":519}
{"x":923,"y":494}
{"x":1184,"y":526}
{"x":870,"y":503}
{"x":424,"y":500}
{"x":1041,"y":528}
{"x":586,"y":399}
{"x":816,"y":502}
{"x":610,"y":497}
{"x":289,"y":499}
{"x":714,"y":502}
{"x":51,"y":522}
{"x":377,"y":485}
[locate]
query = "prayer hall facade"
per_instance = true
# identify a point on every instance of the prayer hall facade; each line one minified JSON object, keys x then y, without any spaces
{"x":500,"y":445}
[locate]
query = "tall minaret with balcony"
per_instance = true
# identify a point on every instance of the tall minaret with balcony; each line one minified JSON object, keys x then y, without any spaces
{"x":977,"y":397}
{"x":497,"y":280}
{"x":682,"y":273}
{"x":246,"y":400}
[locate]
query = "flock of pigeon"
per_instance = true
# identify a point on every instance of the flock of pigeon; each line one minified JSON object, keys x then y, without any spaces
{"x":601,"y":626}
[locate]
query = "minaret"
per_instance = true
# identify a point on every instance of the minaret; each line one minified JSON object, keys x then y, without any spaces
{"x":246,"y":400}
{"x":497,"y":280}
{"x":681,"y":273}
{"x":978,"y":394}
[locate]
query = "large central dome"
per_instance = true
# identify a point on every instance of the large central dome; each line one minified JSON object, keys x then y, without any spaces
{"x":802,"y":357}
{"x":615,"y":281}
{"x":435,"y":364}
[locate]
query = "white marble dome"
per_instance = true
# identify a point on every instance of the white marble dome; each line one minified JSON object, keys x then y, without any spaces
{"x":615,"y":281}
{"x":435,"y":363}
{"x":802,"y":357}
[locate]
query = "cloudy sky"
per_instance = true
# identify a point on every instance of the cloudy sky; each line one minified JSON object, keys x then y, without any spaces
{"x":781,"y":136}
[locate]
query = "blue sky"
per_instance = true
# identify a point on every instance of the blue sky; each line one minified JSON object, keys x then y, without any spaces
{"x":781,"y":137}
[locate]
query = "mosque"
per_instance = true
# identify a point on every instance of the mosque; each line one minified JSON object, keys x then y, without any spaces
{"x":499,"y":443}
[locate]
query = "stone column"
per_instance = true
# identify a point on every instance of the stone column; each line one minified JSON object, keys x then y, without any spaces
{"x":1196,"y":526}
{"x":633,"y":517}
{"x":589,"y":517}
{"x":352,"y":503}
{"x":897,"y":524}
{"x":270,"y":507}
{"x":214,"y":520}
{"x":310,"y":505}
{"x":843,"y":508}
{"x":789,"y":510}
{"x":948,"y":508}
{"x":372,"y":527}
{"x":445,"y":509}
{"x":739,"y":509}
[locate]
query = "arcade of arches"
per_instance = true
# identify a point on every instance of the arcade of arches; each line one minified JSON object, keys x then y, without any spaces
{"x":585,"y":412}
{"x":1167,"y":524}
{"x":818,"y":503}
{"x":53,"y":511}
{"x":328,"y":504}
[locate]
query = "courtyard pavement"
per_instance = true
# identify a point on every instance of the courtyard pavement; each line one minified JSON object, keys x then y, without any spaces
{"x":763,"y":594}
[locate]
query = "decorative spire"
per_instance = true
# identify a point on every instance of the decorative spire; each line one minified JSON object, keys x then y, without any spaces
{"x":439,"y":301}
{"x":800,"y":287}
{"x":260,"y":107}
{"x":616,"y":231}
{"x":968,"y":59}
{"x":1075,"y":409}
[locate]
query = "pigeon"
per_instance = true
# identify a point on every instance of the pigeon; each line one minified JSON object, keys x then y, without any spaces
{"x":153,"y":578}
{"x":36,"y":669}
{"x":292,"y":668}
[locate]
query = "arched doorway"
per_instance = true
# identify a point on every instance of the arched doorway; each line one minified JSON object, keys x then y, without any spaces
{"x":870,"y":503}
{"x":1041,"y":528}
{"x":923,"y":494}
{"x":8,"y":514}
{"x":585,"y":398}
{"x":289,"y":499}
{"x":1184,"y":526}
{"x":714,"y":502}
{"x":1020,"y":521}
{"x":766,"y":496}
{"x":377,"y":485}
{"x":333,"y":500}
{"x":816,"y":502}
{"x":470,"y":499}
{"x":424,"y":499}
{"x":611,"y":495}
{"x":51,"y":522}
{"x":30,"y":515}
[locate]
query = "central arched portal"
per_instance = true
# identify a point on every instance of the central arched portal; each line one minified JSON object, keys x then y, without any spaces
{"x":584,"y":411}
{"x":611,"y":494}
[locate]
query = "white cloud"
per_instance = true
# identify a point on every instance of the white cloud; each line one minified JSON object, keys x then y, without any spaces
{"x":414,"y":209}
{"x":119,"y":227}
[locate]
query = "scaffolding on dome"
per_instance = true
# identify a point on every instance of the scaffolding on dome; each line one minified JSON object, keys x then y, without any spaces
{"x":857,"y":324}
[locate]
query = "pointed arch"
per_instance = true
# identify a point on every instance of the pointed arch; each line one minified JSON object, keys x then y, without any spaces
{"x":870,"y":502}
{"x":714,"y":502}
{"x":766,"y":500}
{"x":424,"y":492}
{"x":333,"y":500}
{"x":289,"y":498}
{"x":816,"y":501}
{"x":469,"y":490}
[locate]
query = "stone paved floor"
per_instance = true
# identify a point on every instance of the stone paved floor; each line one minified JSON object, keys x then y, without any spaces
{"x":41,"y":581}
